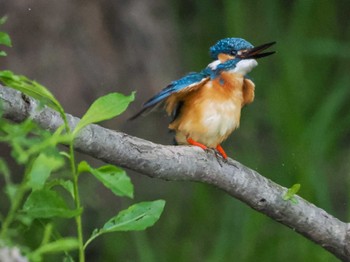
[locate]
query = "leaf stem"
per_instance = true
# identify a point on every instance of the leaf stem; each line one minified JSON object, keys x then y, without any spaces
{"x":91,"y":239}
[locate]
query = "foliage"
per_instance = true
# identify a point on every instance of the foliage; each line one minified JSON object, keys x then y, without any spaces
{"x":136,"y":217}
{"x":4,"y":37}
{"x":48,"y":189}
{"x":291,"y":192}
{"x":33,"y":89}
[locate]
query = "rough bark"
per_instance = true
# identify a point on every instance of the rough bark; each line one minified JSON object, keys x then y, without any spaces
{"x":192,"y":164}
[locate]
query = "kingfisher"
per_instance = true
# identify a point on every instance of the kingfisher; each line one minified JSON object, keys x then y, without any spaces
{"x":205,"y":106}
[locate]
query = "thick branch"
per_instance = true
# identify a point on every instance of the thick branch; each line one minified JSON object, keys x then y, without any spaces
{"x":192,"y":164}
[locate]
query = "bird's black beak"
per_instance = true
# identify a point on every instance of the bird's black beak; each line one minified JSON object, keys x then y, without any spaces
{"x":255,"y":52}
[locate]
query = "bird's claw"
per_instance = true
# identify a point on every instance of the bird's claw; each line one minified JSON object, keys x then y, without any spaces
{"x":219,"y":157}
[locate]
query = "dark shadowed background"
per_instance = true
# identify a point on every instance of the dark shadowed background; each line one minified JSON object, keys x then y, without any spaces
{"x":296,"y":131}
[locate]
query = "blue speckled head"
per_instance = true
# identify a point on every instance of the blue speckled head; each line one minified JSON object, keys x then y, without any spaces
{"x":227,"y":45}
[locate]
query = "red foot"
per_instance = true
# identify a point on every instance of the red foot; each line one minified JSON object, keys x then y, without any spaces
{"x":194,"y":143}
{"x":221,"y":151}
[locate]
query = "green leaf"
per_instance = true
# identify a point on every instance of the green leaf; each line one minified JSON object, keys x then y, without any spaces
{"x":104,"y":108}
{"x":4,"y":170}
{"x":137,"y":217}
{"x":32,"y":89}
{"x":111,"y":177}
{"x":65,"y":154}
{"x":5,"y":39}
{"x":11,"y":191}
{"x":67,"y":185}
{"x":291,"y":192}
{"x":41,"y":169}
{"x":17,"y":136}
{"x":49,"y":140}
{"x":28,"y":140}
{"x":24,"y":219}
{"x":61,"y":245}
{"x":3,"y":53}
{"x":83,"y":166}
{"x":46,"y":204}
{"x":3,"y":20}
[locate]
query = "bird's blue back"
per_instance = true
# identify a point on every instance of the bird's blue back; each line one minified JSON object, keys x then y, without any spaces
{"x":176,"y":86}
{"x":191,"y":80}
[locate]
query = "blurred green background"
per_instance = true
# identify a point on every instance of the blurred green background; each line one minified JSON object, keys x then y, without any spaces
{"x":296,"y":131}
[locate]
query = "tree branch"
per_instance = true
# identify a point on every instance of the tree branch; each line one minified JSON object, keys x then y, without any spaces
{"x":191,"y":164}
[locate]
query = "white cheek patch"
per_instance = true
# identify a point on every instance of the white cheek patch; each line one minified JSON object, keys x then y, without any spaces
{"x":245,"y":66}
{"x":213,"y":65}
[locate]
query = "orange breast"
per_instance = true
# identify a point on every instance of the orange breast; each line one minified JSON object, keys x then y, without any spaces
{"x":210,"y":113}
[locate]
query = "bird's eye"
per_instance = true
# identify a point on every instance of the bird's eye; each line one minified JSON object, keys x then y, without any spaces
{"x":233,"y":52}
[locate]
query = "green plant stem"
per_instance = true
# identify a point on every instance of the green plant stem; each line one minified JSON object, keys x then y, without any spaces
{"x":14,"y":206}
{"x":47,"y":234}
{"x":75,"y":175}
{"x":91,"y":239}
{"x":77,"y":203}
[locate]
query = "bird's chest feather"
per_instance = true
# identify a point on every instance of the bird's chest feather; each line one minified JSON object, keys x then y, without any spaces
{"x":221,"y":105}
{"x":210,"y":114}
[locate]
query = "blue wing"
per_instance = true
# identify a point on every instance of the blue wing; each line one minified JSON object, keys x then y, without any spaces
{"x":187,"y":83}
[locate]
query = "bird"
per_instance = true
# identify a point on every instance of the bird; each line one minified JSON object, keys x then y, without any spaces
{"x":205,"y":107}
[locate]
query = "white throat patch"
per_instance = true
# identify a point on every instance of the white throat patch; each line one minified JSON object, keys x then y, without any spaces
{"x":245,"y":66}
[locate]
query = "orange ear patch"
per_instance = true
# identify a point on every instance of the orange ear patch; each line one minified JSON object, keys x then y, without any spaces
{"x":224,"y":57}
